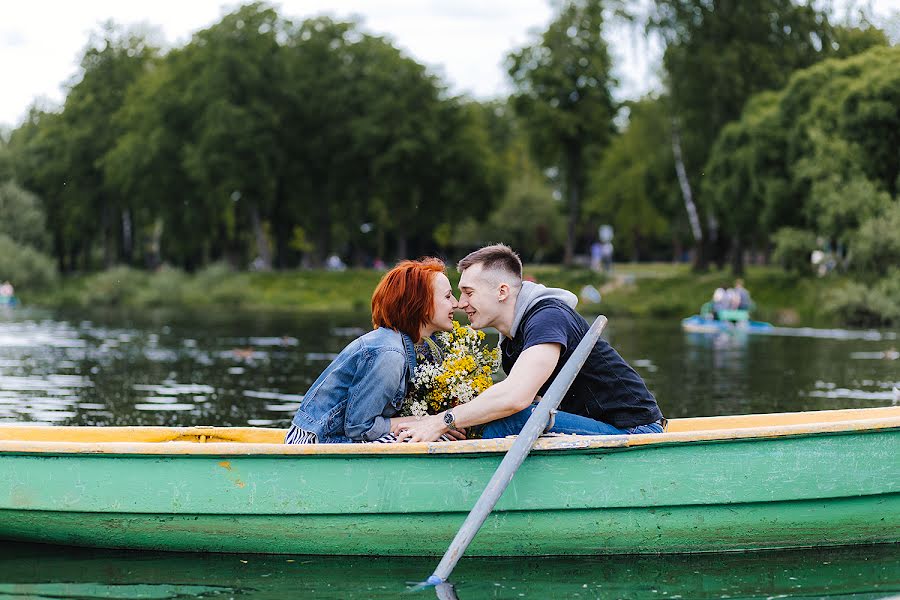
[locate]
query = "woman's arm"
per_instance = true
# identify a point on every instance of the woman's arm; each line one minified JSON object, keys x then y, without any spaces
{"x":374,"y":386}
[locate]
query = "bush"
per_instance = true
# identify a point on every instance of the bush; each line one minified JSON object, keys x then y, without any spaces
{"x":115,"y":287}
{"x":876,"y":246}
{"x":217,"y":284}
{"x":24,"y":266}
{"x":864,"y":306}
{"x":164,"y":287}
{"x":793,"y":248}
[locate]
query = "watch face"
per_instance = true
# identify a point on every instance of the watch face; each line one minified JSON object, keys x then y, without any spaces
{"x":448,"y":419}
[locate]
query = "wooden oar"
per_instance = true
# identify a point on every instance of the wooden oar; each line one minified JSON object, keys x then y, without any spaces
{"x":533,"y":428}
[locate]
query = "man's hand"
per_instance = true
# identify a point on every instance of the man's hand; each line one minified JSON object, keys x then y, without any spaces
{"x":459,"y":434}
{"x":427,"y":429}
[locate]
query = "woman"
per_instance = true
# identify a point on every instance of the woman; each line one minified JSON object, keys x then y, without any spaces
{"x":357,"y":398}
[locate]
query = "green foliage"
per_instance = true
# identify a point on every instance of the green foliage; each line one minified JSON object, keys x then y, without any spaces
{"x":876,"y":246}
{"x":164,"y":287}
{"x":818,"y":156}
{"x":28,"y":269}
{"x":850,"y":41}
{"x":59,"y":155}
{"x":793,"y":248}
{"x":719,"y":55}
{"x":744,"y":148}
{"x":528,"y":219}
{"x":563,"y":97}
{"x":21,"y":216}
{"x":633,"y":188}
{"x":6,"y":157}
{"x":868,"y":306}
{"x":261,"y":128}
{"x":117,"y":286}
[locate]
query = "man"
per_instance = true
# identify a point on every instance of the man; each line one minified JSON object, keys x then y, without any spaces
{"x":539,"y":330}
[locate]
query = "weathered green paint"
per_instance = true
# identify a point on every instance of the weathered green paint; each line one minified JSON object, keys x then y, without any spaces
{"x":803,"y":490}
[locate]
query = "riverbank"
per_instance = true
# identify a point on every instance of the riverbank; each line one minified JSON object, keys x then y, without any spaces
{"x":655,"y":290}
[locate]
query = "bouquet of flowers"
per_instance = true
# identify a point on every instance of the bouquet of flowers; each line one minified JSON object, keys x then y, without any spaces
{"x":451,"y":371}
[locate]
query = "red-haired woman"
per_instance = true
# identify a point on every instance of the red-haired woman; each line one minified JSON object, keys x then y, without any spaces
{"x":361,"y":392}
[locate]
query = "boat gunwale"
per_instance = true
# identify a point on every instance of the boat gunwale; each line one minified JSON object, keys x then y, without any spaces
{"x":493,"y":446}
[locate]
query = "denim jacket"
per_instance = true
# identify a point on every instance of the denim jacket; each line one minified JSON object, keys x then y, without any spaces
{"x":355,"y":397}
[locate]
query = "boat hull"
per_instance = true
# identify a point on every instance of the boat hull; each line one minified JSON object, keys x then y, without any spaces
{"x":697,"y":324}
{"x":821,"y":489}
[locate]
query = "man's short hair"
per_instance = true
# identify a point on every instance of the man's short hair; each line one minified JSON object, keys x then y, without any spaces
{"x":498,"y":256}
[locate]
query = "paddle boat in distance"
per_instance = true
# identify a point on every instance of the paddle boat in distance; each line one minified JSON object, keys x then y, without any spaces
{"x":724,"y":321}
{"x":707,"y":484}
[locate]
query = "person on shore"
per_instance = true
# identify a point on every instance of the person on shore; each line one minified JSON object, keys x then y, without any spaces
{"x":358,"y":396}
{"x":539,"y":331}
{"x":6,"y":290}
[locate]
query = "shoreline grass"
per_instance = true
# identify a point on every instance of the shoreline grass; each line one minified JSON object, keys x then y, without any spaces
{"x":652,"y":290}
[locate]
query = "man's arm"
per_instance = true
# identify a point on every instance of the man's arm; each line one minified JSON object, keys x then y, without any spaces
{"x":533,"y":368}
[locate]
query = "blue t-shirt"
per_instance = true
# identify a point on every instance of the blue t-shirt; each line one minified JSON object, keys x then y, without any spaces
{"x":606,"y":389}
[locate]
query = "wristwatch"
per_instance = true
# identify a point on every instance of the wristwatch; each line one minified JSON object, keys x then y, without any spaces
{"x":450,"y":421}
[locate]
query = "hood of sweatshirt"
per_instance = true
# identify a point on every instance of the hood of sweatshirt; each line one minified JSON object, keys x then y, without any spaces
{"x":531,"y":294}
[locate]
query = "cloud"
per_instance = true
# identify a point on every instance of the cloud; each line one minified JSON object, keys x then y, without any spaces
{"x":11,"y":38}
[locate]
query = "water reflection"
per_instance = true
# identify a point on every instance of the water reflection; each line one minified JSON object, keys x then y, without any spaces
{"x":43,"y":572}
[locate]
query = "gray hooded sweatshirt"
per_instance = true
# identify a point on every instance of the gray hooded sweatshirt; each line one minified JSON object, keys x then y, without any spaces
{"x":531,"y":294}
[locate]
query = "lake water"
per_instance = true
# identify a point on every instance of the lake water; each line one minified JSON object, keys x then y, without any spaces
{"x":225,"y":369}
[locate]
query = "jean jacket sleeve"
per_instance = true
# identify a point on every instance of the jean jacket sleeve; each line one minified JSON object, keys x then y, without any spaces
{"x":373,"y":389}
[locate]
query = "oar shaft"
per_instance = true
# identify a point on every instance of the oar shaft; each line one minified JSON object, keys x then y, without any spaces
{"x":533,"y":428}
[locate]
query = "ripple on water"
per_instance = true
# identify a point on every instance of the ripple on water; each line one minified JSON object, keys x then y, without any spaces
{"x":164,"y":407}
{"x":854,"y":394}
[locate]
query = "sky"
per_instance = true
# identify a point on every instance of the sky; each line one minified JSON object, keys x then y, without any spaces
{"x":463,"y":41}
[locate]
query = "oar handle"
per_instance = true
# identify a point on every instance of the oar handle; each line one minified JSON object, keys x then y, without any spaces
{"x":533,"y":428}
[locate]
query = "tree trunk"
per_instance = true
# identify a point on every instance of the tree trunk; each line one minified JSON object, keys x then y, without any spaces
{"x":127,"y":243}
{"x":700,"y":256}
{"x":737,"y":257}
{"x":263,"y":260}
{"x":110,"y":234}
{"x":574,"y":180}
{"x":402,"y":245}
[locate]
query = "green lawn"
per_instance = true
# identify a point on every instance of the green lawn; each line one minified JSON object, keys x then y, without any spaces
{"x":642,"y":290}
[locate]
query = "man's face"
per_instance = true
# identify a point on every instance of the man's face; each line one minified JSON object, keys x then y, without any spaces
{"x":479,"y":297}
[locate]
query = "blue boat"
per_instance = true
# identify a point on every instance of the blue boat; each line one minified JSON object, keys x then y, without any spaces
{"x":725,"y":321}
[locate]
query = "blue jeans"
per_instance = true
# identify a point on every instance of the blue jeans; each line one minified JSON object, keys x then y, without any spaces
{"x":564,"y":423}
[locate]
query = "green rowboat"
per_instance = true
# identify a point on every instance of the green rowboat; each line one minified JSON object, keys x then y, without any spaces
{"x":823,"y":478}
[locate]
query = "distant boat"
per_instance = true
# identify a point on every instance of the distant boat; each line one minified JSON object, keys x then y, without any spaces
{"x":708,"y":484}
{"x":728,"y":321}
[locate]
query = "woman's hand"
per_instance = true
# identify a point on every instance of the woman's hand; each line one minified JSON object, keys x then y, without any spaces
{"x":397,"y":423}
{"x":427,"y":429}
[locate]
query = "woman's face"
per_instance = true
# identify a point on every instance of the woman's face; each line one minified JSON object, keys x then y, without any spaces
{"x":443,"y":305}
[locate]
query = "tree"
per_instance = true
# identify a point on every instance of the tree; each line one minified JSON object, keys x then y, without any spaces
{"x":21,"y":216}
{"x":818,"y":157}
{"x":718,"y":54}
{"x":57,"y":155}
{"x":200,"y":143}
{"x":562,"y":94}
{"x":745,"y":171}
{"x":634,"y":187}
